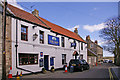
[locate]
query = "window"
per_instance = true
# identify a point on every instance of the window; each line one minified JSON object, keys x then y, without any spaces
{"x":63,"y":58}
{"x":81,"y":56}
{"x":91,"y":45}
{"x":41,"y":37}
{"x":25,"y":59}
{"x":81,"y":46}
{"x":62,"y":42}
{"x":24,"y":32}
{"x":75,"y":44}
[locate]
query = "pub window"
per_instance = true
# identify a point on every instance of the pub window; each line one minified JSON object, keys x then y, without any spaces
{"x":63,"y":58}
{"x":62,"y":42}
{"x":24,"y":33}
{"x":81,"y":46}
{"x":41,"y":37}
{"x":26,"y":59}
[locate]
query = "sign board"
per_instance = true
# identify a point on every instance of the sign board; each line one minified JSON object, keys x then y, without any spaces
{"x":73,"y":44}
{"x":41,"y":62}
{"x":53,"y":40}
{"x":41,"y":54}
{"x":51,"y":61}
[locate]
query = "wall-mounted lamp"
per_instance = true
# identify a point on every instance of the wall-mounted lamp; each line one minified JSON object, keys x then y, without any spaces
{"x":35,"y":36}
{"x":34,"y":26}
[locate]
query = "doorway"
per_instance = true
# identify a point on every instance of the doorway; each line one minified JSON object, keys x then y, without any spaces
{"x":46,"y":62}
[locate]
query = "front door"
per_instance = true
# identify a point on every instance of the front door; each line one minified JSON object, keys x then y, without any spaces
{"x":46,"y":63}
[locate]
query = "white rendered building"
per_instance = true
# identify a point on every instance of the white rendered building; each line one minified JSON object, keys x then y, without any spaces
{"x":38,"y":43}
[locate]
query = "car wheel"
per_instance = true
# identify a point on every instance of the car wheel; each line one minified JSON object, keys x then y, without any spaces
{"x":81,"y":69}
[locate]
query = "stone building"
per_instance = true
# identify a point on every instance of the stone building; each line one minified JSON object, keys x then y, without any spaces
{"x":99,"y":52}
{"x":94,"y":51}
{"x":8,"y":41}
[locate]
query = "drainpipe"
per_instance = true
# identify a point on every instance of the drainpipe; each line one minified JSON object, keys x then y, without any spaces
{"x":79,"y":50}
{"x":17,"y":47}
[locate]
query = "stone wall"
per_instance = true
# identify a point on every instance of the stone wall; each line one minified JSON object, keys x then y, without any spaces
{"x":100,"y":53}
{"x":0,"y":43}
{"x":8,"y":44}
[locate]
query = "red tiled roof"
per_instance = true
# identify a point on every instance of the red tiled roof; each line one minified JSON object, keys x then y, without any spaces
{"x":25,"y":15}
{"x":30,"y":17}
{"x":62,"y":30}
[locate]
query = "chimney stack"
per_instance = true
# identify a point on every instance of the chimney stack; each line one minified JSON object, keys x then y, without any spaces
{"x":96,"y":42}
{"x":88,"y":37}
{"x":76,"y":31}
{"x":35,"y":12}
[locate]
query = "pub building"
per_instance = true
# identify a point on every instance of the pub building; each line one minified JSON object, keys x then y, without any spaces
{"x":37,"y":43}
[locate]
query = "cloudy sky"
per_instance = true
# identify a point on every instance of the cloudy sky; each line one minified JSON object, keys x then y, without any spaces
{"x":88,"y":16}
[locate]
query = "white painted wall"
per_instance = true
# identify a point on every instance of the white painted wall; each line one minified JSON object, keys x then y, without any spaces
{"x":34,"y":47}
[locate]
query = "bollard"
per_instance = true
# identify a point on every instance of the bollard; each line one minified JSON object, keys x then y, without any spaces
{"x":65,"y":68}
{"x":17,"y":78}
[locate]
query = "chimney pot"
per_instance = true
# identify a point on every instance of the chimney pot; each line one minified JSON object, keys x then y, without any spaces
{"x":76,"y":31}
{"x":96,"y":42}
{"x":88,"y":37}
{"x":35,"y":12}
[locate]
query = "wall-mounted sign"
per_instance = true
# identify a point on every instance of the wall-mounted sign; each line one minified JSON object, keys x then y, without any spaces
{"x":52,"y":61}
{"x":73,"y":44}
{"x":41,"y":62}
{"x":41,"y":54}
{"x":53,"y":40}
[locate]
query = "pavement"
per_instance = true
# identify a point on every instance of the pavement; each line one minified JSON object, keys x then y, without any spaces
{"x":96,"y":72}
{"x":116,"y":72}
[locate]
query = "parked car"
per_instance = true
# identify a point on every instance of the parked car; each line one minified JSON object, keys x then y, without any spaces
{"x":110,"y":61}
{"x":79,"y":64}
{"x":105,"y":61}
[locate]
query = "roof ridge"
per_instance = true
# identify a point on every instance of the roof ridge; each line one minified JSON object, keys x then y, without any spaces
{"x":19,"y":9}
{"x":63,"y":28}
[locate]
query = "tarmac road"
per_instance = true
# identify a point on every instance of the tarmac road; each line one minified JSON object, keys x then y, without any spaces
{"x":97,"y":72}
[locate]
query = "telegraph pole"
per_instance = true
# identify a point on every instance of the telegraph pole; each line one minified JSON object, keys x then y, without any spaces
{"x":3,"y":42}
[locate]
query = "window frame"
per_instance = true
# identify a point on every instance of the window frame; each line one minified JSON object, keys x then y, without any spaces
{"x":63,"y":59}
{"x":81,"y":46}
{"x":40,"y":40}
{"x":62,"y":42}
{"x":25,"y":34}
{"x":27,"y":56}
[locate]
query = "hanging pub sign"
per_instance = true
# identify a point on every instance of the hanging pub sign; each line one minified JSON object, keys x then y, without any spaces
{"x":73,"y":44}
{"x":53,"y":40}
{"x":41,"y":62}
{"x":41,"y":54}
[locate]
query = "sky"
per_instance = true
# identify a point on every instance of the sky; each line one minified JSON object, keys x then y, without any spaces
{"x":88,"y":16}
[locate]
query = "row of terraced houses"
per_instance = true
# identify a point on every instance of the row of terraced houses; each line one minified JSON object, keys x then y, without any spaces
{"x":33,"y":43}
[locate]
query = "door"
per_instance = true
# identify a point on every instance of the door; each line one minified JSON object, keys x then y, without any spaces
{"x":46,"y":63}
